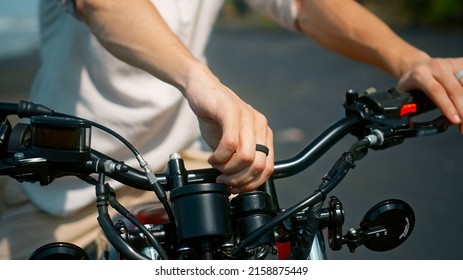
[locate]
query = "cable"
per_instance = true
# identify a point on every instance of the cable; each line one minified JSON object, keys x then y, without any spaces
{"x":103,"y":128}
{"x":106,"y":224}
{"x":329,"y":182}
{"x":124,"y":212}
{"x":156,"y":187}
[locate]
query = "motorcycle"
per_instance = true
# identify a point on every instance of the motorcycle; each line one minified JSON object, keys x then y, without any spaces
{"x":199,"y":218}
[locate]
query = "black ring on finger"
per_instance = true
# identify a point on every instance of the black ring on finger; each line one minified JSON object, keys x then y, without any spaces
{"x":262,"y":148}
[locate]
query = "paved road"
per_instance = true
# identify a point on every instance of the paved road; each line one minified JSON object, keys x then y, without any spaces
{"x":300,"y":87}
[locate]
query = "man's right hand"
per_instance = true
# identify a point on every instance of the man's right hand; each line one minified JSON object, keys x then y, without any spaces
{"x":232,"y":128}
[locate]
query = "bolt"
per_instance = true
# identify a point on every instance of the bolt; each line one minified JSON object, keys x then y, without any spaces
{"x":18,"y":156}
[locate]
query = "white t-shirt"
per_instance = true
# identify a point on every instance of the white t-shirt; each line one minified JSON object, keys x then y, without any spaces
{"x":79,"y":77}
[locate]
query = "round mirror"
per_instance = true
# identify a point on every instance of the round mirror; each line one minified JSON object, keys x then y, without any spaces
{"x":389,"y":224}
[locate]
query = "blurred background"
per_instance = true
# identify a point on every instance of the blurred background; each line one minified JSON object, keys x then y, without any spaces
{"x":300,"y":87}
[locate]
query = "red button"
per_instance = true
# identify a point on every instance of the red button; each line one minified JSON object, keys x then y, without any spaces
{"x":408,"y":109}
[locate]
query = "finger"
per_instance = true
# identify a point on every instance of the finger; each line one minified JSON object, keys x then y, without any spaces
{"x":254,"y":176}
{"x":426,"y":82}
{"x":442,"y":100}
{"x":248,"y":187}
{"x":229,"y":141}
{"x":454,"y":90}
{"x":248,"y":177}
{"x":254,"y":127}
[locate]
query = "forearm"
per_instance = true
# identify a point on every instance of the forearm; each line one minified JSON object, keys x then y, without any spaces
{"x":137,"y":34}
{"x":347,"y":28}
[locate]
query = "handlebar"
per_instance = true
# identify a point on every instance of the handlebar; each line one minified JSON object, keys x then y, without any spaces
{"x":379,"y":120}
{"x":387,"y":112}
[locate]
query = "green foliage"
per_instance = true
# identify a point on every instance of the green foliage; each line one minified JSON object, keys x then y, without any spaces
{"x":418,"y":12}
{"x":438,"y":11}
{"x":395,"y":12}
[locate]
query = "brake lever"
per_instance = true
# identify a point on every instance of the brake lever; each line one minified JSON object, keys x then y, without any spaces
{"x":33,"y":170}
{"x":438,"y":125}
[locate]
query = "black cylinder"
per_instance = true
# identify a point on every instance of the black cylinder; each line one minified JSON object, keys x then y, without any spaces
{"x":249,"y":212}
{"x":202,"y":211}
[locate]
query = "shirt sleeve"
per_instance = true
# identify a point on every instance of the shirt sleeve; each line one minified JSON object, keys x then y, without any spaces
{"x":283,"y":12}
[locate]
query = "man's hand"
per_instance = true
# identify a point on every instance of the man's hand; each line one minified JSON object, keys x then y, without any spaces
{"x":436,"y":77}
{"x":232,"y":129}
{"x":349,"y":29}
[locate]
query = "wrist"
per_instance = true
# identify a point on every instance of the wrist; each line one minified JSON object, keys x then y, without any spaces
{"x":408,"y":61}
{"x":197,"y":76}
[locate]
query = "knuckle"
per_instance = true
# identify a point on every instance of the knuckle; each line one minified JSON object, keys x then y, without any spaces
{"x":261,"y":119}
{"x":247,"y":157}
{"x":231,"y":143}
{"x":269,"y":171}
{"x":438,"y":63}
{"x":258,"y":167}
{"x":270,"y":132}
{"x":418,"y":73}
